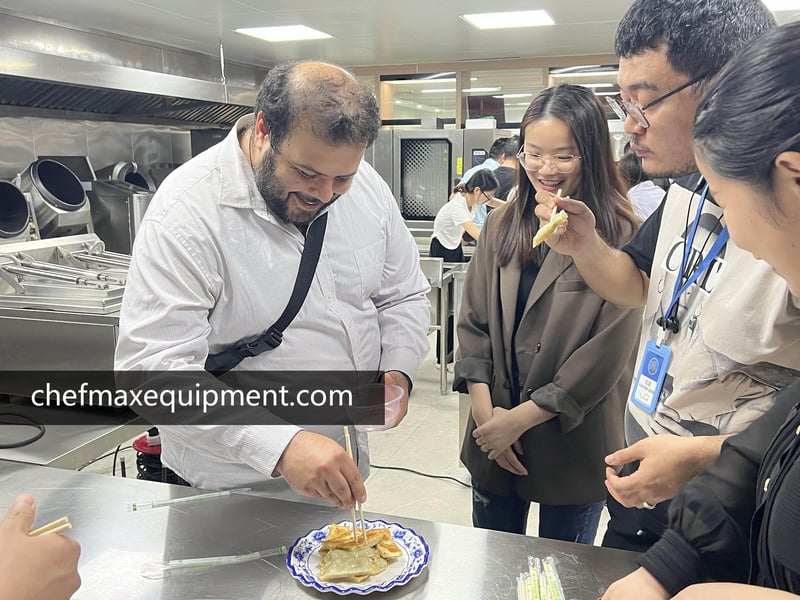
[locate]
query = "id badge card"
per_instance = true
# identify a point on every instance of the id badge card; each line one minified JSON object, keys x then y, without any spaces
{"x":650,"y":379}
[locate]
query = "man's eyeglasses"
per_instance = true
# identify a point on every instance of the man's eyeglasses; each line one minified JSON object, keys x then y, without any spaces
{"x":561,"y":163}
{"x":625,"y":108}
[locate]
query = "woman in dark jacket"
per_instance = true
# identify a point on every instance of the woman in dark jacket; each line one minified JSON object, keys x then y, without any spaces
{"x":740,"y":520}
{"x":546,"y":361}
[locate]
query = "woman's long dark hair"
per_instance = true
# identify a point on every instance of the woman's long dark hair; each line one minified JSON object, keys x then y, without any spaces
{"x":751,"y":113}
{"x":600,"y":187}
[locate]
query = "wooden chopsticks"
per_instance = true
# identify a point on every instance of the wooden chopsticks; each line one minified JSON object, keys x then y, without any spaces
{"x":58,"y":526}
{"x":349,"y":448}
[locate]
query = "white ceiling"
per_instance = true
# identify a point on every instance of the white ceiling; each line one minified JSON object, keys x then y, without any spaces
{"x":366,"y":32}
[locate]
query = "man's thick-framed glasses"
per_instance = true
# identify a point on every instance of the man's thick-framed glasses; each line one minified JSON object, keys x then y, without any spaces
{"x":625,"y":108}
{"x":561,"y":163}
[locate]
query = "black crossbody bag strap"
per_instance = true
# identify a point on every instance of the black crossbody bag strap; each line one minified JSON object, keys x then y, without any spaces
{"x":224,"y":361}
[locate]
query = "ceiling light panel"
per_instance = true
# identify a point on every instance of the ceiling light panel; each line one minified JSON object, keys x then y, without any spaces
{"x":288,"y":33}
{"x":573,"y":75}
{"x":507,"y":96}
{"x":422,"y":81}
{"x":782,"y":5}
{"x":509,"y":20}
{"x":465,"y":90}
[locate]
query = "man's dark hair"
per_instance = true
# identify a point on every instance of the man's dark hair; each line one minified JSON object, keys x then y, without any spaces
{"x":699,"y":36}
{"x":508,"y":146}
{"x":326,"y":100}
{"x":511,"y":146}
{"x":498,"y":148}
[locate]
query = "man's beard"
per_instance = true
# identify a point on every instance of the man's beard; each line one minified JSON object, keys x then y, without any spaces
{"x":277,"y":197}
{"x":674,"y":172}
{"x":678,"y":170}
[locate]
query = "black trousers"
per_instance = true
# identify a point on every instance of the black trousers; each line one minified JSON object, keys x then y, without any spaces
{"x":439,"y":251}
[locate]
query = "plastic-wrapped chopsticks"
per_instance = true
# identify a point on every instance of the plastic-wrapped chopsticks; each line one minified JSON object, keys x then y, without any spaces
{"x":541,"y":582}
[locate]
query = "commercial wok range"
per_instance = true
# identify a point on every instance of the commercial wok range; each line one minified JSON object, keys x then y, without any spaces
{"x":59,"y":303}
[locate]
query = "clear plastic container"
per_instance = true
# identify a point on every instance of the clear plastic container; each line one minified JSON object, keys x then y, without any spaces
{"x":393,"y":397}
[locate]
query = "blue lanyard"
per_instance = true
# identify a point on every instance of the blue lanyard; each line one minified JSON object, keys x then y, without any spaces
{"x":722,"y":239}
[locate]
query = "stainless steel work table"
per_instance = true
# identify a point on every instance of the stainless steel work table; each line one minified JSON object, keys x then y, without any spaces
{"x":68,"y":446}
{"x":465,"y":563}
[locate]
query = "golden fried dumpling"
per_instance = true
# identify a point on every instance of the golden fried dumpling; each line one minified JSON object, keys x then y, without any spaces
{"x":341,"y":538}
{"x":389,"y":549}
{"x":354,"y":565}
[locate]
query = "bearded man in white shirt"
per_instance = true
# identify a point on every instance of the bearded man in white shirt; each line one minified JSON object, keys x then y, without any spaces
{"x":216,"y":259}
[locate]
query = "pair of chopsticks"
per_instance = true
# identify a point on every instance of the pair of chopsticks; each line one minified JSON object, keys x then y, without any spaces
{"x":555,"y":206}
{"x":58,"y":526}
{"x":349,"y":448}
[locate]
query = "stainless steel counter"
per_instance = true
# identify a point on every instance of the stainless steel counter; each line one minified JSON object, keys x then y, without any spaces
{"x":465,"y":563}
{"x":68,"y":446}
{"x":36,"y":339}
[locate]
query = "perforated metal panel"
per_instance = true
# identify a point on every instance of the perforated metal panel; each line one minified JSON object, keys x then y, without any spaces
{"x":424,"y":176}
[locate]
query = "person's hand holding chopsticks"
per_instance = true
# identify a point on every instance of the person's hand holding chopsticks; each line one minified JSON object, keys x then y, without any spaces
{"x":35,"y":566}
{"x":315,"y":465}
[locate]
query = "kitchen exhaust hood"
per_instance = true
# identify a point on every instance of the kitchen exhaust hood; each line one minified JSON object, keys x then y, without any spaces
{"x":104,"y":78}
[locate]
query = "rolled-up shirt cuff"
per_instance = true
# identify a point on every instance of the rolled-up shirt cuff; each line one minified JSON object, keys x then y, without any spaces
{"x":554,"y":399}
{"x":673,"y":562}
{"x":476,"y":370}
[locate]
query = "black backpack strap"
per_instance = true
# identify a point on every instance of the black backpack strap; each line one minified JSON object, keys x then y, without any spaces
{"x":224,"y":361}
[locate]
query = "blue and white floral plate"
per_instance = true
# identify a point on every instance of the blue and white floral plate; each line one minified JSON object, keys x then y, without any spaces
{"x":303,"y":561}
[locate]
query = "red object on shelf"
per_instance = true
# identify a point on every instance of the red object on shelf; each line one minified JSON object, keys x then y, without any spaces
{"x":141,"y":444}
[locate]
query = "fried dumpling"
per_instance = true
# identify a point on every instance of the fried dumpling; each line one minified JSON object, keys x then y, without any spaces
{"x":387,"y":548}
{"x":341,"y":538}
{"x":354,"y":565}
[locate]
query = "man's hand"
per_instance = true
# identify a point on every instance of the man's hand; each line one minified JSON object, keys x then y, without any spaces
{"x":577,"y":234}
{"x":498,"y":433}
{"x":397,"y":378}
{"x":32,"y":568}
{"x":666,"y":462}
{"x":639,"y":585}
{"x":315,"y":465}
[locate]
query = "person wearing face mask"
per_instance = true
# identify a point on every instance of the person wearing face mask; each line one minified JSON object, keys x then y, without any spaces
{"x":698,"y":378}
{"x":545,"y":360}
{"x":733,"y":530}
{"x":216,"y":259}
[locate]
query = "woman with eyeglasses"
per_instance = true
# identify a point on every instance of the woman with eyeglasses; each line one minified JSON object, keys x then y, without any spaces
{"x":739,"y":521}
{"x":455,"y":217}
{"x":547,"y":362}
